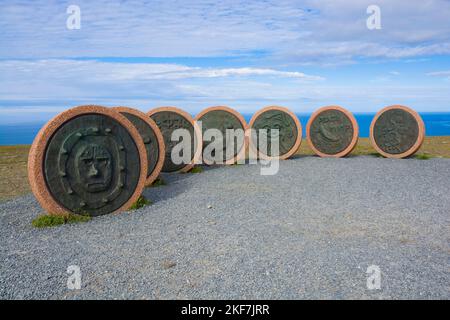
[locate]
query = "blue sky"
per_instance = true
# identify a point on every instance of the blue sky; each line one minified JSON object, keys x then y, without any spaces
{"x":244,"y":54}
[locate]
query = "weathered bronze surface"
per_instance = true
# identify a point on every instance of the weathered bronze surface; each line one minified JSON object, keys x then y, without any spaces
{"x":395,"y":131}
{"x":149,"y":138}
{"x":222,"y":120}
{"x":92,"y":165}
{"x":331,"y":132}
{"x":283,"y":122}
{"x":167,"y":122}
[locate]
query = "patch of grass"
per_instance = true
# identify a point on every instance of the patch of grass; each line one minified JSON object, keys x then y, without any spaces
{"x":435,"y":147}
{"x":196,"y":169}
{"x":158,"y":182}
{"x":75,"y":218}
{"x":48,"y":220}
{"x":13,"y":171}
{"x":236,"y":164}
{"x":140,"y":203}
{"x":44,"y":221}
{"x":376,"y":154}
{"x":423,"y":156}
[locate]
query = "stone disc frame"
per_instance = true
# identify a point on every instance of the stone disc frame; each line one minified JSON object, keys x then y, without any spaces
{"x":351,"y":145}
{"x":141,"y":115}
{"x":197,"y":140}
{"x":298,"y":140}
{"x":241,"y":153}
{"x":417,"y":144}
{"x":37,"y":152}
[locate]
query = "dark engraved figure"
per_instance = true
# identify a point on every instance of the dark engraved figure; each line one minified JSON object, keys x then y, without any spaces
{"x":167,"y":122}
{"x":396,"y":131}
{"x":331,"y":132}
{"x":281,"y":121}
{"x":93,"y":167}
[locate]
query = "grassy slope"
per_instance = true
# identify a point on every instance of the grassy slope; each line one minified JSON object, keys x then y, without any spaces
{"x":435,"y":146}
{"x":13,"y":162}
{"x":13,"y":171}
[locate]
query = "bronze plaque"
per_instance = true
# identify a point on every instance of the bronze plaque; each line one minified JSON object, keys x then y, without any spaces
{"x":92,"y":165}
{"x":396,"y":131}
{"x":222,"y":120}
{"x":281,"y":121}
{"x":167,"y":122}
{"x":331,"y":131}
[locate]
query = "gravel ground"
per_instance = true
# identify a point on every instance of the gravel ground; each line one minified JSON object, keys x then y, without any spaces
{"x":308,"y":232}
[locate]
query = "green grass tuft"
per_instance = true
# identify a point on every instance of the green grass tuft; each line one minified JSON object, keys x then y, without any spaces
{"x":376,"y":154}
{"x":140,"y":203}
{"x":44,"y":221}
{"x":75,"y":218}
{"x":423,"y":156}
{"x":196,"y":169}
{"x":235,"y":165}
{"x":47,"y":220}
{"x":158,"y":182}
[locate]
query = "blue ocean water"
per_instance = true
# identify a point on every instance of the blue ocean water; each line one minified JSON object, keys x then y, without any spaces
{"x":436,"y":124}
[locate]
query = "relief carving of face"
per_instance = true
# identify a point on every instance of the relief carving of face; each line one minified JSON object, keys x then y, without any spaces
{"x":94,"y":168}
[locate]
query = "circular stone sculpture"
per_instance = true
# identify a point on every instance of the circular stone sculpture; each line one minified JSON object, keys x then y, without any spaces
{"x":332,"y":132}
{"x":397,"y":131}
{"x":290,"y":131}
{"x":87,"y":160}
{"x":168,"y":119}
{"x":153,"y":140}
{"x":223,"y":118}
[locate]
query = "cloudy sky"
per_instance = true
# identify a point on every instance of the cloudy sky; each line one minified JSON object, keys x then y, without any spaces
{"x":245,"y":54}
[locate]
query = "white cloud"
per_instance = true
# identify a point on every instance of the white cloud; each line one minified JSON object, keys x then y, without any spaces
{"x":262,"y":43}
{"x":445,"y":73}
{"x":30,"y":87}
{"x":329,"y":31}
{"x":64,"y":83}
{"x":113,"y":71}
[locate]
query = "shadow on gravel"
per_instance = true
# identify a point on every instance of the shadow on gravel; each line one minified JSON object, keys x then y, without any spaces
{"x":174,"y":184}
{"x":300,"y":156}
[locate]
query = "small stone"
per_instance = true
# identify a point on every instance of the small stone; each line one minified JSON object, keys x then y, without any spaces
{"x":168,"y":264}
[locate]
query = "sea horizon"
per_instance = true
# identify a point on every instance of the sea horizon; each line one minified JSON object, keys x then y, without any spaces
{"x":436,"y":124}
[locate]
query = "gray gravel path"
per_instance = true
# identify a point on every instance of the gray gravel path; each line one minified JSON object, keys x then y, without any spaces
{"x":310,"y":231}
